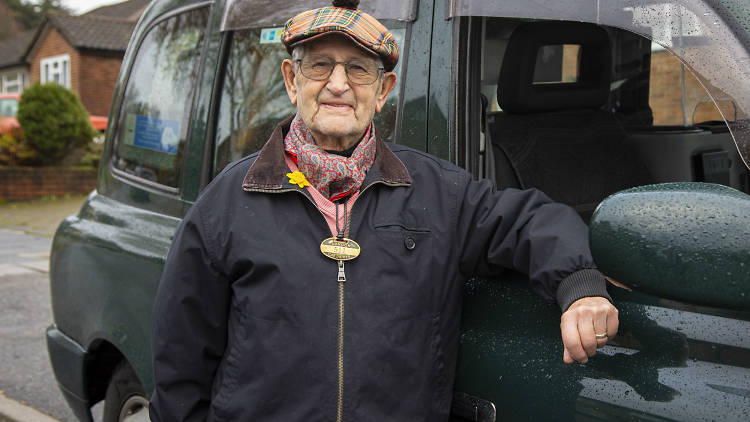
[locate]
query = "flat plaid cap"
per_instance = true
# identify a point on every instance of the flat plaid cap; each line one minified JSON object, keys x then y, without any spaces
{"x":344,"y":18}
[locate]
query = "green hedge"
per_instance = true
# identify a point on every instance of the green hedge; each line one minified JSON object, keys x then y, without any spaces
{"x":53,"y":121}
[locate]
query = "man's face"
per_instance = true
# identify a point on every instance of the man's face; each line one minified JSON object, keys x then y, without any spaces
{"x":336,"y":111}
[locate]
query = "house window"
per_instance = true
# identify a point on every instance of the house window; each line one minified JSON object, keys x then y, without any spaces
{"x":56,"y":69}
{"x":12,"y":83}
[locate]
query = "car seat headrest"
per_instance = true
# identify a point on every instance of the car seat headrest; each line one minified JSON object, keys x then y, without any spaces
{"x":516,"y":90}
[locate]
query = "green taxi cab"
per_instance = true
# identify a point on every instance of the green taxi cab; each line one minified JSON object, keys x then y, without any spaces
{"x":634,"y":112}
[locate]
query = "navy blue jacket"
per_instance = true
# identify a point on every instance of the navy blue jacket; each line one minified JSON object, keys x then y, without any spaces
{"x":251,"y":324}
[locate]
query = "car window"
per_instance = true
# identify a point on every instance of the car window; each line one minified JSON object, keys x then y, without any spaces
{"x":152,"y":125}
{"x":677,"y":98}
{"x":254,"y":99}
{"x":583,"y":121}
{"x":704,"y":36}
{"x":8,"y":107}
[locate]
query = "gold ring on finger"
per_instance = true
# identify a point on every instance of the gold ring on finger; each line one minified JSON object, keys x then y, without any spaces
{"x":601,"y":336}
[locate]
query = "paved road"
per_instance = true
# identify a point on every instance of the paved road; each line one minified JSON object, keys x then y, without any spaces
{"x":25,"y":313}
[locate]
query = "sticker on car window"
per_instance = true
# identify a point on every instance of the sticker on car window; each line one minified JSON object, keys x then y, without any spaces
{"x":153,"y":133}
{"x":271,"y":35}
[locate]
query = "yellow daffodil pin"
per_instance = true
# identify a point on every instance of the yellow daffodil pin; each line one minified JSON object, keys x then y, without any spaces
{"x":297,"y":178}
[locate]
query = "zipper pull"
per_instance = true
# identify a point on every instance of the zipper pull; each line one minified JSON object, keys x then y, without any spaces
{"x":342,"y":275}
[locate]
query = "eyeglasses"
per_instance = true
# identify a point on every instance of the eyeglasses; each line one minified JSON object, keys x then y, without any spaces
{"x":358,"y":71}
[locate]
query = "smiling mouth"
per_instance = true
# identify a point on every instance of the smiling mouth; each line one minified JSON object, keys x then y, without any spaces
{"x":338,"y":106}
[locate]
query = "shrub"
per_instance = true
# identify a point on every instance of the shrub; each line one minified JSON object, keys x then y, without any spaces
{"x":53,"y":121}
{"x":14,"y":151}
{"x":93,"y":155}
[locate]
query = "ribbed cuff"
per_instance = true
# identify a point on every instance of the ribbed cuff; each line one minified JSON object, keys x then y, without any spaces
{"x":582,"y":283}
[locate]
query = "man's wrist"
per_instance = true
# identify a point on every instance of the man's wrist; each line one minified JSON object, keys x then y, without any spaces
{"x":582,"y":283}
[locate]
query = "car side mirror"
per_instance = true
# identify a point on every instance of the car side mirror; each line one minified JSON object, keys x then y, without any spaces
{"x":688,"y":242}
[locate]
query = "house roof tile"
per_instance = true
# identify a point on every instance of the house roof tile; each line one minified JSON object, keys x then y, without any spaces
{"x":13,"y":49}
{"x":129,"y":10}
{"x":92,"y":31}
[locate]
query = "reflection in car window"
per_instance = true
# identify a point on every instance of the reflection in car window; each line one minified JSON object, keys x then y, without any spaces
{"x":150,"y":135}
{"x":254,"y":99}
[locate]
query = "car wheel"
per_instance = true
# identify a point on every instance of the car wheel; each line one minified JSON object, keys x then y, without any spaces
{"x":125,"y":399}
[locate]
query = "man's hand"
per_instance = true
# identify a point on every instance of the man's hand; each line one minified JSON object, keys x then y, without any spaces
{"x":581,"y":323}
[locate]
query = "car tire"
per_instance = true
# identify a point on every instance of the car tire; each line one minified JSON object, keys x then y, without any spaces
{"x":125,"y":399}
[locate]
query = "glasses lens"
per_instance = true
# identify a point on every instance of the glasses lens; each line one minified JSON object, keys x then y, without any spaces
{"x":359,"y":71}
{"x":362,"y":71}
{"x":317,"y":67}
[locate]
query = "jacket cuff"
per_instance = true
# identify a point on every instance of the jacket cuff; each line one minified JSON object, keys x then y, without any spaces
{"x":580,"y":284}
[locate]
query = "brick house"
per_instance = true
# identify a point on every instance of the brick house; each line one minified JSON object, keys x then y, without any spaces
{"x":14,"y":71}
{"x":84,"y":53}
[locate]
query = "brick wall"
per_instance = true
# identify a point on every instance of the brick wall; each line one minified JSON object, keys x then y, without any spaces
{"x":23,"y":183}
{"x":100,"y":71}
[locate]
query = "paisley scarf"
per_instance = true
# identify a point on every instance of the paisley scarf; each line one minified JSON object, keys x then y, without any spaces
{"x":332,"y":175}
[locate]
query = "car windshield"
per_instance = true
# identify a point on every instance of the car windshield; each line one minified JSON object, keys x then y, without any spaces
{"x":8,"y":107}
{"x":712,"y":41}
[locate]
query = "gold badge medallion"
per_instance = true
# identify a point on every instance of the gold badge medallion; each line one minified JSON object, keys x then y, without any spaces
{"x":340,"y":249}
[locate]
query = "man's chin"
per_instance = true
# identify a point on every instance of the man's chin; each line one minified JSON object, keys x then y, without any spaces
{"x":335,"y":128}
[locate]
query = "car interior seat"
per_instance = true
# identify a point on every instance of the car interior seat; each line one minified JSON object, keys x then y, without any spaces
{"x":557,"y":136}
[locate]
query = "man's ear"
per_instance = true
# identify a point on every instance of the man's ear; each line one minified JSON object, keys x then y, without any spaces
{"x":389,"y":82}
{"x":287,"y":70}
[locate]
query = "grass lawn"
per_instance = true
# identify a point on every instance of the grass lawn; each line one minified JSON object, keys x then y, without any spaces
{"x":41,"y":216}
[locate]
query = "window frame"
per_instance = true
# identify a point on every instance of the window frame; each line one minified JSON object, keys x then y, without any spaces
{"x":19,"y":81}
{"x":235,"y":15}
{"x":130,"y":179}
{"x":64,"y":61}
{"x":466,"y":122}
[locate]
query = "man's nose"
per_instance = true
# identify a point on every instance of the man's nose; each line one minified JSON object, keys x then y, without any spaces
{"x":338,"y":82}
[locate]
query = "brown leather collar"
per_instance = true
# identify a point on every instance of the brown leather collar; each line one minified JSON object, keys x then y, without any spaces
{"x":269,"y":170}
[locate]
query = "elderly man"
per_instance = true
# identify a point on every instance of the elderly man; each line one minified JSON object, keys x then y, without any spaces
{"x":320,"y":279}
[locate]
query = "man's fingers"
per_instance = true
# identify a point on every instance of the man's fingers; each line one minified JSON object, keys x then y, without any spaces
{"x":600,"y":327}
{"x":566,"y":356}
{"x":582,"y":321}
{"x":613,"y":322}
{"x":588,"y":339}
{"x":572,"y":339}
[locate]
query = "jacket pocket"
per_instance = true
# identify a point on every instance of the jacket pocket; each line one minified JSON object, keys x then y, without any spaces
{"x":397,"y":271}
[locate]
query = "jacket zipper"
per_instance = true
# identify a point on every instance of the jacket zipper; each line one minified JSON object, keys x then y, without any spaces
{"x":340,"y":279}
{"x":340,"y":400}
